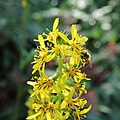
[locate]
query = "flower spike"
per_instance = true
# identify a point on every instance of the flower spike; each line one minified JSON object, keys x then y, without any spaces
{"x":59,"y":96}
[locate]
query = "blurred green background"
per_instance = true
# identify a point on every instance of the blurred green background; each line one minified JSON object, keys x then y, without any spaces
{"x":21,"y":21}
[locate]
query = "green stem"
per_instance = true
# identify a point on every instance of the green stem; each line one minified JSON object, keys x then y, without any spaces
{"x":60,"y":65}
{"x":55,"y":76}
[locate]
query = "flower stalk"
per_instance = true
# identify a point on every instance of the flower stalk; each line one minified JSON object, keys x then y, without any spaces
{"x":59,"y":96}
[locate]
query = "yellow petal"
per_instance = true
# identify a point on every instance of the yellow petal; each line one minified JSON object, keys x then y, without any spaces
{"x":34,"y":93}
{"x":86,"y":110}
{"x":57,"y":104}
{"x":41,"y":41}
{"x":83,"y":40}
{"x":31,"y":83}
{"x":36,"y":66}
{"x":59,"y":115}
{"x":50,"y":57}
{"x":63,"y":104}
{"x":73,"y":31}
{"x":42,"y":95}
{"x":64,"y":78}
{"x":55,"y":36}
{"x":56,"y":88}
{"x":72,"y":61}
{"x":35,"y":119}
{"x":43,"y":68}
{"x":87,"y":79}
{"x":55,"y":24}
{"x":64,"y":37}
{"x":71,"y":94}
{"x":81,"y":103}
{"x":76,"y":79}
{"x":33,"y":116}
{"x":67,"y":114}
{"x":48,"y":115}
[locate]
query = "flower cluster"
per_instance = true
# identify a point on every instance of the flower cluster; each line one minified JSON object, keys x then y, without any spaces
{"x":59,"y":96}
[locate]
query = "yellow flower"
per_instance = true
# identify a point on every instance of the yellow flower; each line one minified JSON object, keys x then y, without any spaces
{"x":80,"y":88}
{"x":76,"y":42}
{"x":75,"y":72}
{"x":47,"y":111}
{"x":51,"y":37}
{"x":74,"y":105}
{"x":40,"y":58}
{"x":78,"y":114}
{"x":43,"y":86}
